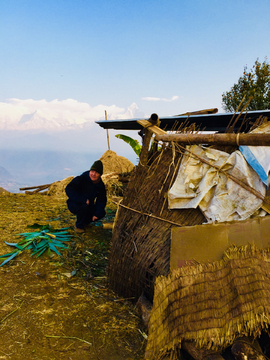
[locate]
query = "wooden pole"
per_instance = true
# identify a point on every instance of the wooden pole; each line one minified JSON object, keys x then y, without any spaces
{"x":145,"y":146}
{"x":153,"y":122}
{"x":200,"y":112}
{"x":107,"y":132}
{"x":218,"y":139}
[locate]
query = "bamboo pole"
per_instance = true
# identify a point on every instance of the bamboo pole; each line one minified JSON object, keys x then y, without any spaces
{"x":42,"y":187}
{"x":150,"y":127}
{"x":218,"y":139}
{"x":200,"y":112}
{"x":108,"y":139}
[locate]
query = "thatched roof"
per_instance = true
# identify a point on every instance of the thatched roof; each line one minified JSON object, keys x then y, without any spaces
{"x":211,"y":304}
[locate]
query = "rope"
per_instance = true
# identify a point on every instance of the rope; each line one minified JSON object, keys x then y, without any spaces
{"x":150,"y":215}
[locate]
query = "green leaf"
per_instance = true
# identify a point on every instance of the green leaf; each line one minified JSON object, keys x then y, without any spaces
{"x":132,"y":142}
{"x":42,"y":243}
{"x":6,"y":255}
{"x":46,"y":239}
{"x":10,"y":258}
{"x":11,"y":244}
{"x":52,"y":247}
{"x":42,"y":251}
{"x":39,"y":251}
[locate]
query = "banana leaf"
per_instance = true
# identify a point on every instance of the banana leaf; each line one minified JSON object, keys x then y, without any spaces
{"x":132,"y":142}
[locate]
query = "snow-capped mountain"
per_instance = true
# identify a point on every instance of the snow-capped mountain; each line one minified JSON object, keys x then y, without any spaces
{"x":16,"y":114}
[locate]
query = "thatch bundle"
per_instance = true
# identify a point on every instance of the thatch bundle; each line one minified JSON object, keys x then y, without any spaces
{"x":58,"y":188}
{"x":211,"y":304}
{"x":140,"y":248}
{"x":113,"y":163}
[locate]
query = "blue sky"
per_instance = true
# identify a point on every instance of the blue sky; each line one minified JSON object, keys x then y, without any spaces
{"x":167,"y":56}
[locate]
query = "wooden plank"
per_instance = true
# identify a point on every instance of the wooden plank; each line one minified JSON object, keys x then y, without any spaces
{"x":153,"y":128}
{"x":218,"y":139}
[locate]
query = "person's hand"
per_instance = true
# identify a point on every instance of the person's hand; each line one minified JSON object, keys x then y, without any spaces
{"x":94,"y":218}
{"x":87,"y":202}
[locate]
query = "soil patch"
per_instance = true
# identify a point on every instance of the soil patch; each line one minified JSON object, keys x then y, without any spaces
{"x":60,"y":307}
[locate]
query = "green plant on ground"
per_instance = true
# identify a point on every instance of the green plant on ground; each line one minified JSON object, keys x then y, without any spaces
{"x":38,"y":242}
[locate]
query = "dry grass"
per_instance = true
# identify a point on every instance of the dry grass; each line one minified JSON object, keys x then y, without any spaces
{"x":47,"y":314}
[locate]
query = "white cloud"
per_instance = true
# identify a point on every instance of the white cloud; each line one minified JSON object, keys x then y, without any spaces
{"x":17,"y":114}
{"x":149,"y":98}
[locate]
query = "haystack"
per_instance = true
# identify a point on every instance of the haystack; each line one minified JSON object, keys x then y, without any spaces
{"x":113,"y":166}
{"x":113,"y":163}
{"x":58,"y":188}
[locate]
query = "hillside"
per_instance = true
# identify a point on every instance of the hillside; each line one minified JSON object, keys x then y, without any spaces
{"x":60,"y":307}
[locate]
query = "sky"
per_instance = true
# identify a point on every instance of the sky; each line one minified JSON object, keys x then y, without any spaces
{"x":67,"y":61}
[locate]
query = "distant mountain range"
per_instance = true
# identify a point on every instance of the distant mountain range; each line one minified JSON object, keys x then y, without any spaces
{"x":23,"y":168}
{"x":5,"y":175}
{"x":57,"y":115}
{"x":58,"y":140}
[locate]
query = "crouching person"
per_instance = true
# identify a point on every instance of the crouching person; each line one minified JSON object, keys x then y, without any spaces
{"x":87,"y":196}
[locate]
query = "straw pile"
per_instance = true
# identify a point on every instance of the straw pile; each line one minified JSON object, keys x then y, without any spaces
{"x":113,"y":163}
{"x":140,"y":246}
{"x":211,"y":304}
{"x":58,"y":188}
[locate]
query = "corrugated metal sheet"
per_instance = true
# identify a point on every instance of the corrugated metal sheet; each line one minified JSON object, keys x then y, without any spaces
{"x":209,"y":122}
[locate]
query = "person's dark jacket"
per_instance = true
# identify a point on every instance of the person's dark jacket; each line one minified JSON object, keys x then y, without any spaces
{"x":82,"y":188}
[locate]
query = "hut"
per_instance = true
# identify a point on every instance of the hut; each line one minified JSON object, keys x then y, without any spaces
{"x":141,"y":241}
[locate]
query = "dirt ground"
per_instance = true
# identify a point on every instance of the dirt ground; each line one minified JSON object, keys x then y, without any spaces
{"x":55,"y":307}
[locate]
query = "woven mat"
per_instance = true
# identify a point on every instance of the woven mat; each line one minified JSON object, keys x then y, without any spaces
{"x":211,"y":304}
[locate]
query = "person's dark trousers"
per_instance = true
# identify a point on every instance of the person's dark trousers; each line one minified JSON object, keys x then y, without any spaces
{"x":83,"y":212}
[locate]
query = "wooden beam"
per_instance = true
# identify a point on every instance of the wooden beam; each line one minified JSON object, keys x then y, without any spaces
{"x":36,"y":187}
{"x":217,"y":139}
{"x":150,"y":127}
{"x":200,"y":112}
{"x":153,"y":128}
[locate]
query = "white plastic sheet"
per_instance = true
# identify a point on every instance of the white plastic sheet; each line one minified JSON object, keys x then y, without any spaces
{"x":219,"y":197}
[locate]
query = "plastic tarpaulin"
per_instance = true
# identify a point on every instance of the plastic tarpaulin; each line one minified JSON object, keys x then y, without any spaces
{"x":258,"y":157}
{"x":219,"y":197}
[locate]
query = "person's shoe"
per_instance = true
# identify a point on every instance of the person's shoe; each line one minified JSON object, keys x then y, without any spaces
{"x":78,"y":230}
